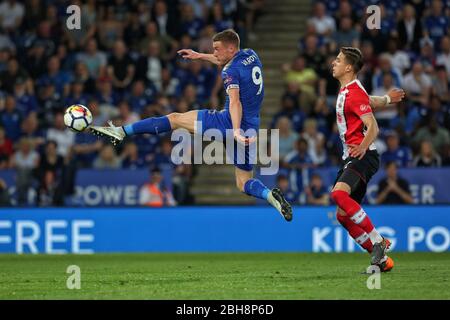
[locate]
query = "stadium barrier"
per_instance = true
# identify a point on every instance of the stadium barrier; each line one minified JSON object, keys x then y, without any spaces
{"x":121,"y":187}
{"x":213,"y":229}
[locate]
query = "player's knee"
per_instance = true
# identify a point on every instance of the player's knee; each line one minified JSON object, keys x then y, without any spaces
{"x":338,"y":196}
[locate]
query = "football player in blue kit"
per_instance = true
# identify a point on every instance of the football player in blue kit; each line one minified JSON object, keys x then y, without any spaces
{"x":243,"y":82}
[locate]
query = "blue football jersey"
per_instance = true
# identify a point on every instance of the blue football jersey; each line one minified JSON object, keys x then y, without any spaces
{"x":244,"y":72}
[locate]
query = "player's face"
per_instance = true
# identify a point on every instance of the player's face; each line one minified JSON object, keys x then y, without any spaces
{"x":340,"y":66}
{"x":222,"y":52}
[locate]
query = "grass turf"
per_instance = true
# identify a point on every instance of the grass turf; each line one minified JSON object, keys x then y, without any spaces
{"x":223,"y":276}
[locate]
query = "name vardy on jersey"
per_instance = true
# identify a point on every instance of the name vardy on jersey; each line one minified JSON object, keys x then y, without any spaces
{"x":249,"y":60}
{"x":193,"y":310}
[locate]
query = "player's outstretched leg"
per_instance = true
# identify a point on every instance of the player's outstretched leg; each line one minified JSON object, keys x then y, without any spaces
{"x":358,"y":216}
{"x":153,"y":125}
{"x":255,"y":188}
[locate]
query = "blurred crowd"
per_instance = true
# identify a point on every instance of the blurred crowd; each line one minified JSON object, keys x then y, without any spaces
{"x":123,"y":65}
{"x":410,"y":50}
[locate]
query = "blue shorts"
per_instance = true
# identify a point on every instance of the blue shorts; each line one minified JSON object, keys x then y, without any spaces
{"x":221,"y":120}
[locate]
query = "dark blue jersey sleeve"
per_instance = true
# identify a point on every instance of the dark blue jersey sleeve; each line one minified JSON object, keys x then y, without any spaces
{"x":231,"y":79}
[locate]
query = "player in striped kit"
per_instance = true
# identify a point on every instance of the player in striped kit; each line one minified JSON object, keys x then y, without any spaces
{"x":358,"y":130}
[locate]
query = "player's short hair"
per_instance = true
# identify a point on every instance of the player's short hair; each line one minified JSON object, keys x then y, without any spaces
{"x":228,"y":36}
{"x":354,"y":57}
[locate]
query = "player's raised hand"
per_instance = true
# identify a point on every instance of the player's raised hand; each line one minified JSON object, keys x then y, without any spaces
{"x":189,"y":54}
{"x":396,"y":95}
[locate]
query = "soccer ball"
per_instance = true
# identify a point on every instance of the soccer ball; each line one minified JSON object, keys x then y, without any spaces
{"x":77,"y":117}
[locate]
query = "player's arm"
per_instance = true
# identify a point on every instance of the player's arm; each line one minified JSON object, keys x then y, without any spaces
{"x":194,"y":55}
{"x":393,"y":96}
{"x":236,"y":113}
{"x":358,"y":151}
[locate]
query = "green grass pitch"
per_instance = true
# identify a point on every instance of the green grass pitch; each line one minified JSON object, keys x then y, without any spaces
{"x":223,"y":276}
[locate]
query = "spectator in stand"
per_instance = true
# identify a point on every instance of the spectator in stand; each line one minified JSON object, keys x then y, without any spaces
{"x":417,"y":85}
{"x":25,"y":161}
{"x":126,"y":115}
{"x":438,"y":136}
{"x":111,"y":29}
{"x":316,"y":142}
{"x":287,"y":136}
{"x":25,"y":102}
{"x":165,"y":20}
{"x":401,"y":155}
{"x":399,"y":58}
{"x":93,"y":58}
{"x":141,"y":96}
{"x":98,"y":118}
{"x":49,"y":174}
{"x":387,"y":114}
{"x":106,"y":95}
{"x":386,"y":67}
{"x":298,"y":162}
{"x":5,"y":199}
{"x":445,"y":156}
{"x":130,"y":157}
{"x":427,"y":156}
{"x":306,"y":78}
{"x":283,"y":184}
{"x":190,"y":24}
{"x":218,"y":20}
{"x":154,"y":194}
{"x":181,"y":174}
{"x":166,"y":44}
{"x":289,"y":110}
{"x":346,"y":35}
{"x":13,"y":73}
{"x":6,"y":150}
{"x":202,"y":77}
{"x":81,"y":74}
{"x":121,"y":68}
{"x":324,"y":24}
{"x":107,"y":159}
{"x":11,"y":15}
{"x":440,"y":85}
{"x":443,"y":58}
{"x":393,"y":189}
{"x":60,"y":79}
{"x":150,"y":66}
{"x":427,"y":56}
{"x":409,"y":29}
{"x":11,"y":118}
{"x":30,"y":129}
{"x":316,"y":193}
{"x":85,"y":149}
{"x":324,"y":115}
{"x":345,"y":10}
{"x":314,"y":55}
{"x":77,"y":95}
{"x":64,"y":137}
{"x":190,"y":95}
{"x":437,"y":23}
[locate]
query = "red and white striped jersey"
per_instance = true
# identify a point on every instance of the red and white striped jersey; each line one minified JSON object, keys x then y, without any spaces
{"x":351,"y":104}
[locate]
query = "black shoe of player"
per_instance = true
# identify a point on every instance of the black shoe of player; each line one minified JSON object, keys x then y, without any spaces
{"x":276,"y":198}
{"x":379,"y":251}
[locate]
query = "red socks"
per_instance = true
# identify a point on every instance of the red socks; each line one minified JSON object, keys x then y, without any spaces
{"x":355,"y":231}
{"x":353,"y":210}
